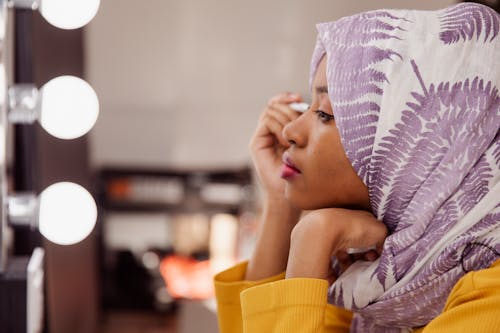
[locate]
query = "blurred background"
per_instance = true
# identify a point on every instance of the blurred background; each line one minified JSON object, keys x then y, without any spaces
{"x":180,"y":85}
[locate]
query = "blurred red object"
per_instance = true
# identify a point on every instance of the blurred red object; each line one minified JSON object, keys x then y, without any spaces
{"x":187,"y":278}
{"x":119,"y":188}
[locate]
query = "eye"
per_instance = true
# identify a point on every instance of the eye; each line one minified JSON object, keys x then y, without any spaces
{"x":323,"y":116}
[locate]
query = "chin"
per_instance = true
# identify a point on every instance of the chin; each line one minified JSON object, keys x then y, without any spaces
{"x":307,"y":201}
{"x":304,"y":201}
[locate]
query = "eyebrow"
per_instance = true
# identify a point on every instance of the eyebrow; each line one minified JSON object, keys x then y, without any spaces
{"x":321,"y":90}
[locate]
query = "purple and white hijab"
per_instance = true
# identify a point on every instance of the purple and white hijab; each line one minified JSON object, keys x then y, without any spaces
{"x":416,"y":100}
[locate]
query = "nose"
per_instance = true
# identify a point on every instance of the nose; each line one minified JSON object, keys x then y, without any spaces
{"x":295,"y":132}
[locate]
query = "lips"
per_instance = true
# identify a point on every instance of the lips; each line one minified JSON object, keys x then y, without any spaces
{"x":288,"y":170}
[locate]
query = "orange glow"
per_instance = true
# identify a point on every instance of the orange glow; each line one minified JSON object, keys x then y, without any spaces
{"x":119,"y":188}
{"x":187,"y":278}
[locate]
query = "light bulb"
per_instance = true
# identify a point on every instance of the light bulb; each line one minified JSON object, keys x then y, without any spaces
{"x":67,"y":214}
{"x":69,"y":14}
{"x":69,"y":107}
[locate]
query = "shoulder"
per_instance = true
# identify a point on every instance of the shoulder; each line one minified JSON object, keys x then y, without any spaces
{"x":472,"y":305}
{"x":476,"y":285}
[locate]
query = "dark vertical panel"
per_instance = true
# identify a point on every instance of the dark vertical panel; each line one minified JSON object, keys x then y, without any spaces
{"x":25,"y":143}
{"x":13,"y":296}
{"x":25,"y":150}
{"x":71,"y":271}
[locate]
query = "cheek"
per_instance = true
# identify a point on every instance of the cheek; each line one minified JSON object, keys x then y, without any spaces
{"x":327,"y":158}
{"x":330,"y":168}
{"x":326,"y":176}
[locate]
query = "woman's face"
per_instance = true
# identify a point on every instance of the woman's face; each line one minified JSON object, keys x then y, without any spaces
{"x":316,"y":169}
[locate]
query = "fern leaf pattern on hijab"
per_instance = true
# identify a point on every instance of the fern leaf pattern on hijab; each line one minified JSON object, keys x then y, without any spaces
{"x":416,"y":99}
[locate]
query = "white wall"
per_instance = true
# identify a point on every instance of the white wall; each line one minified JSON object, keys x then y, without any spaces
{"x":181,"y":83}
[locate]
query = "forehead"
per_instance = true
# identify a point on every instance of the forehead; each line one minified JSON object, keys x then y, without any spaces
{"x":320,"y":75}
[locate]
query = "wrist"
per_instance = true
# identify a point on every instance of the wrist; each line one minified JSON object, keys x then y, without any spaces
{"x":273,"y":243}
{"x":282,"y":209}
{"x":327,"y":226}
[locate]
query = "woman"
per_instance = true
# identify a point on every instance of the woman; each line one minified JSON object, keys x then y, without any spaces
{"x":399,"y":153}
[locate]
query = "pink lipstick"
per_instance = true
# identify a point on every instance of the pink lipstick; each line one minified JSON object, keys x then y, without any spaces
{"x":288,"y":170}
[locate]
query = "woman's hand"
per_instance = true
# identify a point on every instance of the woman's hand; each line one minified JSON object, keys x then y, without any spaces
{"x":332,"y":231}
{"x":268,"y":144}
{"x":279,"y":216}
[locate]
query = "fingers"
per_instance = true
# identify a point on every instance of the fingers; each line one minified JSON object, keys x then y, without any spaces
{"x":371,"y":255}
{"x":278,"y":107}
{"x":372,"y":240}
{"x":275,"y":117}
{"x":363,"y":237}
{"x":275,"y":126}
{"x":346,"y":259}
{"x":366,"y":232}
{"x":282,"y":112}
{"x":285,"y":98}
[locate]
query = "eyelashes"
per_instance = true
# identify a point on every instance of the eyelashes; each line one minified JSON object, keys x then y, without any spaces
{"x":323,"y":116}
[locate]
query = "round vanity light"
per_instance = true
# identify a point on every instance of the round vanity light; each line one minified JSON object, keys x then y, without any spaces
{"x":67,"y":213}
{"x":69,"y":14}
{"x":69,"y":107}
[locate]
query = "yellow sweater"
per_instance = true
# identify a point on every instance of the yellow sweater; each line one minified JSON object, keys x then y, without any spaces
{"x":283,"y":305}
